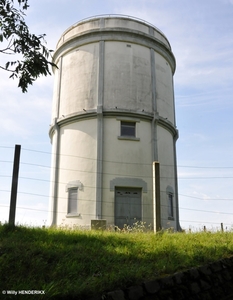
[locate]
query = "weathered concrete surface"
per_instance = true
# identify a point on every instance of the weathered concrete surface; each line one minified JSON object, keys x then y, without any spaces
{"x":113,"y":70}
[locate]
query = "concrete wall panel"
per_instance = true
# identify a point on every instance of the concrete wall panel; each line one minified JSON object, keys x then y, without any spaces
{"x":127,"y":76}
{"x":78,"y":163}
{"x":79,"y":79}
{"x":164,"y":88}
{"x":127,"y":159}
{"x":167,"y":174}
{"x":82,"y":28}
{"x":126,"y":23}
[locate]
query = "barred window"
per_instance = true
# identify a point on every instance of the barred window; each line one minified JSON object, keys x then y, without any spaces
{"x":170,"y":206}
{"x":72,"y":201}
{"x":128,"y":128}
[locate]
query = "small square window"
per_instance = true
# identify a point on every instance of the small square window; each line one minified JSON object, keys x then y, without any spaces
{"x":72,"y":201}
{"x":128,"y":128}
{"x":170,"y":206}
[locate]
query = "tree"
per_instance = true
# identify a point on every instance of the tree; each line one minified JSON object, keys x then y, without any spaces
{"x":18,"y":41}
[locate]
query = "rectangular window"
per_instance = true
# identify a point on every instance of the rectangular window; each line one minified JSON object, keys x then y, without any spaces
{"x":128,"y":128}
{"x":73,"y":201}
{"x":170,"y":206}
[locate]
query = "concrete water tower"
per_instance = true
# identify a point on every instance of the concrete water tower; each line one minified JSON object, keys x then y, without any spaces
{"x":113,"y":116}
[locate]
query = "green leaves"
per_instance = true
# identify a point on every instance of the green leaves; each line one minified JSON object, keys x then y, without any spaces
{"x":15,"y":34}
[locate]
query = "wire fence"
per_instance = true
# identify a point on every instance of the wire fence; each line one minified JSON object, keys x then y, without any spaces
{"x":195,"y":211}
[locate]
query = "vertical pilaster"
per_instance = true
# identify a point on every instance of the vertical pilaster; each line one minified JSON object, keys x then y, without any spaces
{"x":176,"y":187}
{"x":55,"y":172}
{"x":59,"y":88}
{"x":154,"y":107}
{"x":100,"y":125}
{"x":55,"y":153}
{"x":175,"y":165}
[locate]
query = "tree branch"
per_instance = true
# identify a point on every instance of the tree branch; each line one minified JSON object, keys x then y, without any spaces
{"x":3,"y":51}
{"x":15,"y":32}
{"x":5,"y":69}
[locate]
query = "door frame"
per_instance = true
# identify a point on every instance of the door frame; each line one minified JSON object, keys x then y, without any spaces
{"x":127,"y":188}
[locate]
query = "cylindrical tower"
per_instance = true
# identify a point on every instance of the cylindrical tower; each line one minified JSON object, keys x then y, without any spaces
{"x":113,"y":116}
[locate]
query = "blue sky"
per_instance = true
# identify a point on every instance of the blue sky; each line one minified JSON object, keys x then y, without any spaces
{"x":201,"y":36}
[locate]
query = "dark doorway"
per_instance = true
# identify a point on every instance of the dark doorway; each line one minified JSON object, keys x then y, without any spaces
{"x":128,"y":207}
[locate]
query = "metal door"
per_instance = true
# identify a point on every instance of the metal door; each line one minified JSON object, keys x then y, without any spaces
{"x":128,"y":208}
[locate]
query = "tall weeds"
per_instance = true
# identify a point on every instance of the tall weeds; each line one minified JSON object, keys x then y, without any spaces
{"x":80,"y":263}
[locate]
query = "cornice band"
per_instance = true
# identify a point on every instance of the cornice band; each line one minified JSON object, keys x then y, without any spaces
{"x":92,"y":114}
{"x":116,"y":34}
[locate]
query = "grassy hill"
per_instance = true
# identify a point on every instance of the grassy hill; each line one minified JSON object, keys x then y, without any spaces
{"x":78,"y":263}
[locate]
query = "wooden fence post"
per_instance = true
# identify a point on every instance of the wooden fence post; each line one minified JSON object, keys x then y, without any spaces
{"x":156,"y":197}
{"x":14,"y":185}
{"x":222,"y":227}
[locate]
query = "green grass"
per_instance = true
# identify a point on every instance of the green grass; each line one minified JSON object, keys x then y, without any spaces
{"x":85,"y":263}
